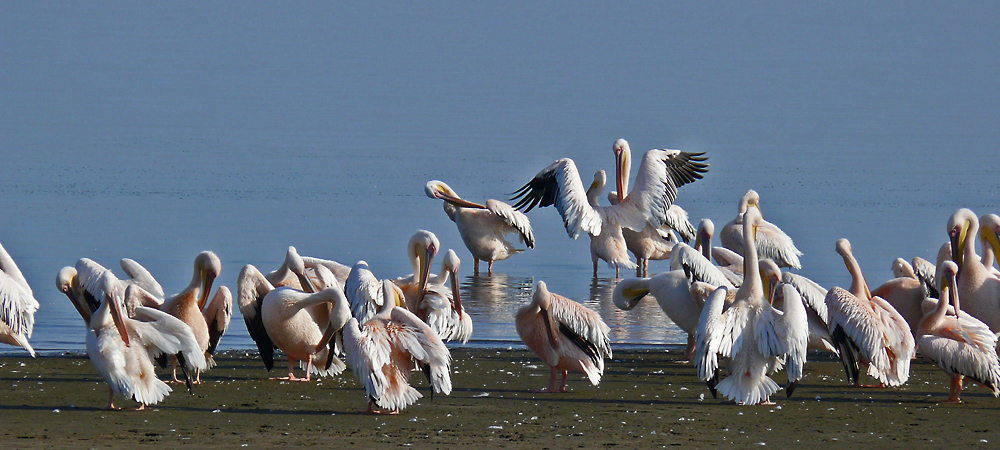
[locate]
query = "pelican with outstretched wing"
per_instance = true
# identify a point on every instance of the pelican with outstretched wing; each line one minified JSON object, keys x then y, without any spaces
{"x":661,"y":172}
{"x":17,"y":305}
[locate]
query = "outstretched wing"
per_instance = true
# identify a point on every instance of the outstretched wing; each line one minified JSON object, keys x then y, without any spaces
{"x":677,"y":220}
{"x":697,"y":267}
{"x":425,"y":346}
{"x":218,"y":313}
{"x":813,"y":295}
{"x":559,"y":184}
{"x":252,"y":287}
{"x":792,"y":327}
{"x":140,"y":276}
{"x":160,"y":332}
{"x":514,"y":219}
{"x":661,"y":172}
{"x":715,"y":335}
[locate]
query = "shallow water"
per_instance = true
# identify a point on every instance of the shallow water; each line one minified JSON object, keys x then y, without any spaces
{"x":158,"y":131}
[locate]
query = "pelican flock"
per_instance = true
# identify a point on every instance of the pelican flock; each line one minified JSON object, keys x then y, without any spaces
{"x":741,"y":312}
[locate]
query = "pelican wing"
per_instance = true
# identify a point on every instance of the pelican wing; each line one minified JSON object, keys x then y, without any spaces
{"x":661,"y":172}
{"x":727,"y":258}
{"x":926,"y":273}
{"x":339,"y":270}
{"x":677,"y":220}
{"x":88,"y":275}
{"x":862,"y":324}
{"x":898,"y":341}
{"x":559,"y":184}
{"x":364,"y":292}
{"x":696,"y":267}
{"x":161,"y":333}
{"x":957,"y":355}
{"x":812,"y":294}
{"x":368,"y":351}
{"x":140,"y":276}
{"x":218,"y":313}
{"x":513,"y":218}
{"x":17,"y":306}
{"x":792,"y":326}
{"x":716,"y":334}
{"x":425,"y":346}
{"x":252,"y":287}
{"x":771,"y":243}
{"x":584,"y":323}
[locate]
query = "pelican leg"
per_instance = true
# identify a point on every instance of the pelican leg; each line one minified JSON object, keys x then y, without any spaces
{"x":955,"y":390}
{"x":595,"y":266}
{"x":111,"y":400}
{"x":173,"y":365}
{"x":291,"y":374}
{"x":617,"y":272}
{"x":475,"y":266}
{"x":489,"y":267}
{"x":197,"y":376}
{"x":562,"y":387}
{"x":689,"y":349}
{"x":309,"y":368}
{"x":552,"y":383}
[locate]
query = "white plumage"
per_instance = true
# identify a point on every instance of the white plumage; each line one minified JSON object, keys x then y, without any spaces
{"x":17,"y":305}
{"x":771,"y":242}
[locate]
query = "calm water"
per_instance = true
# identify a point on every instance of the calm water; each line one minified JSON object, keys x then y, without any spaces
{"x":155,"y":131}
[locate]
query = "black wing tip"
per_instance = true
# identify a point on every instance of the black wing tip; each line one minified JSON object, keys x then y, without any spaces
{"x":790,"y":388}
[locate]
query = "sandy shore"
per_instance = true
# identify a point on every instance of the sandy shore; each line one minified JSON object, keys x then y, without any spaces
{"x":647,"y":399}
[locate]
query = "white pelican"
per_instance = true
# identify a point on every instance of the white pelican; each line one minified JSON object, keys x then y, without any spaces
{"x":772,"y":243}
{"x":17,"y":305}
{"x":441,"y":306}
{"x":672,"y":291}
{"x":750,"y":334}
{"x":699,"y":268}
{"x":655,"y":243}
{"x":961,"y":345}
{"x":565,"y":334}
{"x":813,"y":298}
{"x":421,"y":249}
{"x":122,"y":348}
{"x":382,"y":352}
{"x":906,"y":295}
{"x":364,"y":292}
{"x":297,"y":322}
{"x":291,"y":273}
{"x":483,"y":227}
{"x":189,"y":303}
{"x":81,"y":283}
{"x":865,"y":324}
{"x":980,"y":290}
{"x":989,"y":238}
{"x":660,"y":174}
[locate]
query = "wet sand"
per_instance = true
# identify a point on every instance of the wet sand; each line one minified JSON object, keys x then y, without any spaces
{"x":647,"y":399}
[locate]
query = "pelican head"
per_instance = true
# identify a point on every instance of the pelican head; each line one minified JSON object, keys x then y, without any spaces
{"x":422,"y":248}
{"x":703,"y":239}
{"x":392,"y":296}
{"x":958,"y":232}
{"x":752,"y":218}
{"x":629,"y":291}
{"x":439,"y":190}
{"x":297,"y":266}
{"x":843,"y":247}
{"x":541,"y":299}
{"x":451,"y":263}
{"x":990,"y":232}
{"x":64,"y":280}
{"x":770,"y":274}
{"x":207,"y":267}
{"x":623,"y":166}
{"x":595,"y":189}
{"x":751,"y":198}
{"x":950,"y":284}
{"x":902,"y":269}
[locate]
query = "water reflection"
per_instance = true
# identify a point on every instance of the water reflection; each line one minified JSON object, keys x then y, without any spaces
{"x":492,"y":302}
{"x":644,"y":324}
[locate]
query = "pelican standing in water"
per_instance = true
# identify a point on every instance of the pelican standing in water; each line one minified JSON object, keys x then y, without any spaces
{"x":750,"y":334}
{"x":122,"y":348}
{"x":866,"y":325}
{"x":483,"y":227}
{"x":660,"y":174}
{"x":17,"y":305}
{"x":188,"y":305}
{"x":441,"y":305}
{"x":979,"y":288}
{"x":961,"y":345}
{"x":382,"y":350}
{"x":421,"y":249}
{"x":297,"y":322}
{"x":772,"y":243}
{"x":565,"y":334}
{"x":655,"y":243}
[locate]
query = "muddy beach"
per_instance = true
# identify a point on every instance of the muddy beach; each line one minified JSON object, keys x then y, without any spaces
{"x":647,"y":399}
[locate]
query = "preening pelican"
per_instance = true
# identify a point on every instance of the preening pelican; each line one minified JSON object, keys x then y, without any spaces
{"x":441,"y":306}
{"x":979,"y":288}
{"x":364,"y":292}
{"x":961,"y":345}
{"x":772,"y":243}
{"x":672,"y":291}
{"x":565,"y":334}
{"x":906,"y":295}
{"x":189,"y":303}
{"x":723,"y":257}
{"x":483,"y":227}
{"x":660,"y":174}
{"x":299,"y":323}
{"x":989,"y":238}
{"x":751,"y":335}
{"x":813,"y":298}
{"x":421,"y":249}
{"x":699,"y":268}
{"x":291,"y":273}
{"x":122,"y":348}
{"x":382,"y":351}
{"x":82,"y":285}
{"x":17,"y":305}
{"x":861,"y":323}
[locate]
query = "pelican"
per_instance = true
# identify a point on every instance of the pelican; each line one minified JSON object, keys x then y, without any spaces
{"x":441,"y":307}
{"x":660,"y":174}
{"x":813,"y":298}
{"x":724,"y":257}
{"x":483,"y":227}
{"x":989,"y":238}
{"x":961,"y":345}
{"x":906,"y":295}
{"x":655,"y":243}
{"x":17,"y":305}
{"x":751,"y":334}
{"x":772,"y":243}
{"x":291,"y":273}
{"x":81,"y":283}
{"x":382,"y":351}
{"x":122,"y":348}
{"x":980,"y":290}
{"x":421,"y":249}
{"x":565,"y":334}
{"x":673,"y":292}
{"x":364,"y":292}
{"x":862,"y":323}
{"x":188,"y":304}
{"x":298,"y":323}
{"x":700,"y":268}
